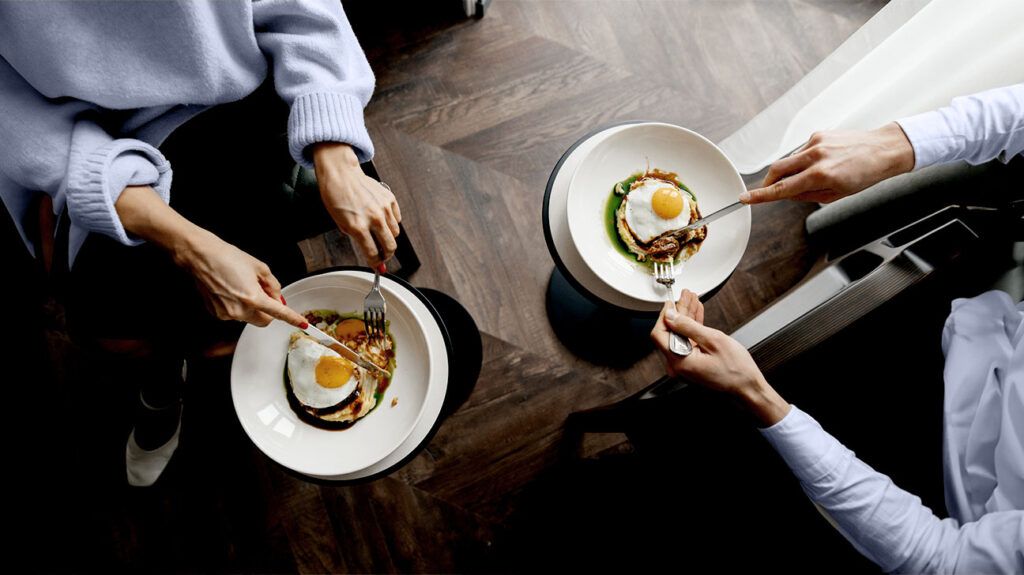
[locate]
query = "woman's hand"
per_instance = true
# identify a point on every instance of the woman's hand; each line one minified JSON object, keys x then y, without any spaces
{"x":833,"y":165}
{"x":717,"y":362}
{"x":361,"y":206}
{"x":233,"y":284}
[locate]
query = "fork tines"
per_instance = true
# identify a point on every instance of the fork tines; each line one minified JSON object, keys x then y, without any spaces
{"x":373,"y":317}
{"x":664,"y":273}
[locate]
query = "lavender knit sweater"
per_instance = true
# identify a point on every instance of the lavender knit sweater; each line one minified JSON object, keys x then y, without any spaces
{"x":88,"y":89}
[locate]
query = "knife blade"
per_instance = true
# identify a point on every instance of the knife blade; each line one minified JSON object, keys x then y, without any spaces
{"x":708,"y":219}
{"x":345,"y":351}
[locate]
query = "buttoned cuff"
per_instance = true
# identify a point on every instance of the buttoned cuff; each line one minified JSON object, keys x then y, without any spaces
{"x":932,"y":138}
{"x":327,"y":117}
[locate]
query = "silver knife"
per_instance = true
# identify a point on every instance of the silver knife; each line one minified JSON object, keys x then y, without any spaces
{"x":708,"y":219}
{"x":345,"y":351}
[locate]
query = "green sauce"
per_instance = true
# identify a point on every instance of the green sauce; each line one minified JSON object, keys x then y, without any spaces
{"x":614,"y":201}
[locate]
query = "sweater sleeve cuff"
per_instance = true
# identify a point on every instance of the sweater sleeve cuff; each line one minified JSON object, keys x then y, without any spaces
{"x":810,"y":452}
{"x":930,"y":136}
{"x":327,"y":117}
{"x":96,"y":181}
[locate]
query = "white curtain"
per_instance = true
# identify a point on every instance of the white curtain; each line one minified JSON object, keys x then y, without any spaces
{"x":913,"y":56}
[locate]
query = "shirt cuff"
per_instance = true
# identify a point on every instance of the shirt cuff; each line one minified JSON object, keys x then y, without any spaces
{"x":96,"y":182}
{"x":327,"y":117}
{"x":810,"y":452}
{"x":931,"y":137}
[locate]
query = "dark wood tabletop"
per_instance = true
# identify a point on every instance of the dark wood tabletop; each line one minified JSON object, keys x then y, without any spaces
{"x":468,"y":119}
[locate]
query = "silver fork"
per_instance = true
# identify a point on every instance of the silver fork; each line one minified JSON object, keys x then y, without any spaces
{"x":375,"y":308}
{"x":665,"y":274}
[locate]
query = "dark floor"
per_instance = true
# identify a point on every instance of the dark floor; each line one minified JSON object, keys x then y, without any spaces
{"x":469,"y":117}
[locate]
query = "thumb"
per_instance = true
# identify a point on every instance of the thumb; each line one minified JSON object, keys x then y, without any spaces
{"x":691,"y":328}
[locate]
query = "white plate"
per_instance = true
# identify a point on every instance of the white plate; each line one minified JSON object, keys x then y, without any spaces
{"x":260,"y":399}
{"x":700,"y":165}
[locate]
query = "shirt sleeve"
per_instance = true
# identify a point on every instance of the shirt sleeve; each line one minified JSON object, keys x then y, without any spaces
{"x":319,"y":70}
{"x":887,"y":524}
{"x":56,"y":147}
{"x":976,"y":128}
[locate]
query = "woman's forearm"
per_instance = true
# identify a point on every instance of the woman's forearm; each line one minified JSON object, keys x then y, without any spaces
{"x":143,"y":214}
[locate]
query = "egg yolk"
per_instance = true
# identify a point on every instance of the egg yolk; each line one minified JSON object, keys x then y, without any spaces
{"x":667,"y":202}
{"x":333,"y":372}
{"x":349,"y":329}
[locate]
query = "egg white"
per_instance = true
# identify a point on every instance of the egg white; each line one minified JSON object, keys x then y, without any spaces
{"x":643,"y":221}
{"x":303,"y":355}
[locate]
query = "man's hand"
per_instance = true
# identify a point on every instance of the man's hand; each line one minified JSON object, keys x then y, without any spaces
{"x":834,"y":165}
{"x":362,"y":208}
{"x":717,"y":362}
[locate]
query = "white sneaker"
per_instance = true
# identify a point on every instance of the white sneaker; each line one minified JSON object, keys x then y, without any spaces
{"x":144,"y":466}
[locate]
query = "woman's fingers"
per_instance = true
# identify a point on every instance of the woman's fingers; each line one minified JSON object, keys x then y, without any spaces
{"x":277,"y":310}
{"x":365,"y":242}
{"x":385,"y":239}
{"x":259,"y":319}
{"x":393,"y":213}
{"x":268,"y":282}
{"x":393,"y":223}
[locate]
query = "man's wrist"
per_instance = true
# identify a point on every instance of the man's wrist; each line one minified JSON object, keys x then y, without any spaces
{"x":764,"y":403}
{"x":898,"y":149}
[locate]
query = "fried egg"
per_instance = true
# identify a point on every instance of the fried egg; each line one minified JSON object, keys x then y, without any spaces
{"x":654,"y":207}
{"x":319,"y":376}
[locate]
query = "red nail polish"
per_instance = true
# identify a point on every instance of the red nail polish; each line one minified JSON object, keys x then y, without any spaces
{"x":304,"y":325}
{"x":382,"y":268}
{"x":282,"y":300}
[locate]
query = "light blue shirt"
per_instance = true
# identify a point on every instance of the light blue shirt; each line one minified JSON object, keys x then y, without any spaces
{"x":89,"y":89}
{"x":977,"y":128}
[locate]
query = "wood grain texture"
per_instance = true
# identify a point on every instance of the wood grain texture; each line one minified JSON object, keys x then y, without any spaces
{"x":469,"y":118}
